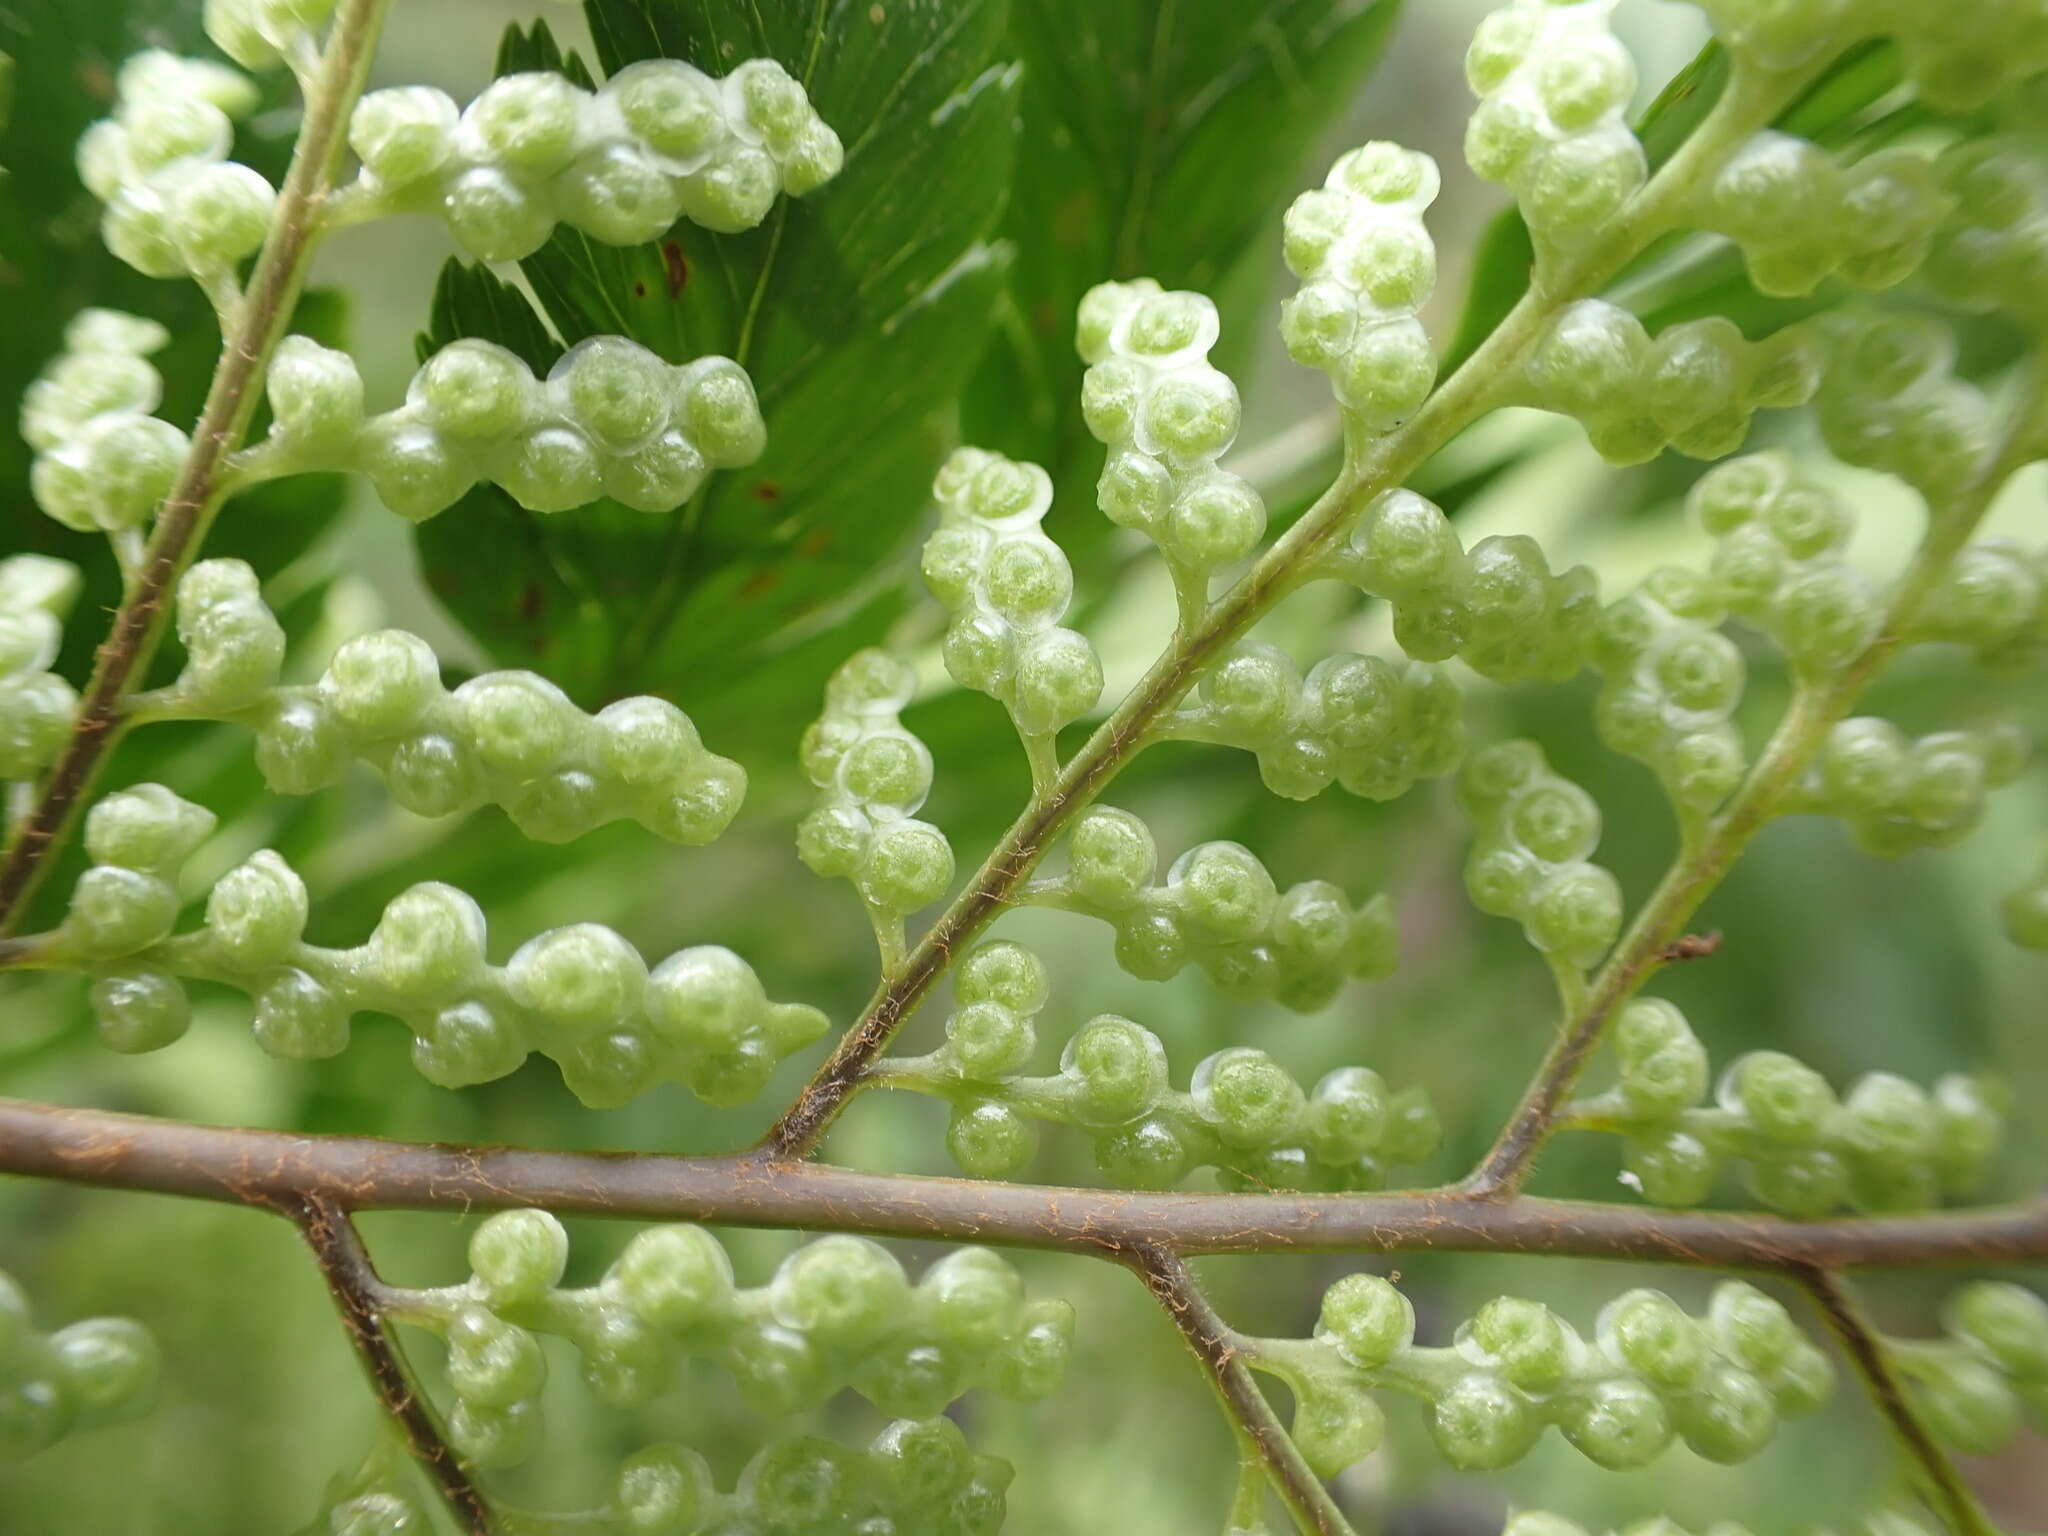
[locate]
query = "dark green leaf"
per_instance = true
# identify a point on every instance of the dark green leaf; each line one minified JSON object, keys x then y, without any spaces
{"x":858,"y":311}
{"x":1159,"y":140}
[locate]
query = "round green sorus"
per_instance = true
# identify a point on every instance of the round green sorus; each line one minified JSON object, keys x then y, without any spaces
{"x":428,"y":944}
{"x":415,"y":472}
{"x":527,"y":121}
{"x":374,"y":1514}
{"x":379,"y":685}
{"x":493,"y":216}
{"x":1523,"y":1340}
{"x":403,"y":135}
{"x":2006,"y":1322}
{"x":1223,"y":890}
{"x":298,"y":1019}
{"x":1146,"y":1154}
{"x":519,"y":723}
{"x":493,"y":1437}
{"x":972,"y":1298}
{"x":580,"y":978}
{"x":987,"y":1040}
{"x":1111,"y":857}
{"x":1784,"y":1099}
{"x":1336,"y":1425}
{"x":908,"y":865}
{"x":1619,"y":1424}
{"x":1367,"y":1320}
{"x":217,"y":214}
{"x":138,"y":1009}
{"x":707,"y":997}
{"x":116,"y":911}
{"x":1673,"y":1168}
{"x":1651,"y":1334}
{"x":989,"y":1139}
{"x":1117,"y":1068}
{"x":1664,"y":1068}
{"x":2024,"y":912}
{"x":316,"y":397}
{"x":300,"y":746}
{"x":615,"y":389}
{"x":433,"y":774}
{"x":1752,"y":1328}
{"x":474,"y":390}
{"x":1481,"y":1424}
{"x":1966,"y":1404}
{"x":1728,"y":1416}
{"x":677,"y":1277}
{"x":234,"y":645}
{"x":256,"y":912}
{"x":108,"y":1368}
{"x":518,"y":1256}
{"x":625,"y":1363}
{"x":840,"y":1291}
{"x":491,"y":1362}
{"x":663,"y":1490}
{"x":146,"y":828}
{"x":619,"y":194}
{"x":800,"y":1484}
{"x":1246,"y":1097}
{"x":466,"y":1044}
{"x":1347,"y":1114}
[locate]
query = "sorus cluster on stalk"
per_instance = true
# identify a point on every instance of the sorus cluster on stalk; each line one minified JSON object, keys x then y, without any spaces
{"x":611,"y":419}
{"x":1890,"y":401}
{"x":1977,"y":1386}
{"x":2024,"y":911}
{"x":581,"y":994}
{"x":873,"y":775}
{"x":1244,"y":1114}
{"x":1530,"y":860}
{"x":1651,"y":1373}
{"x":1554,"y":86}
{"x":1693,"y":387}
{"x":1373,"y":726}
{"x":103,"y":461}
{"x":1670,"y":681}
{"x":657,"y":141}
{"x":1992,"y":251}
{"x":1166,"y":414}
{"x":1952,"y":68}
{"x":1887,"y":1145}
{"x":1799,"y":216}
{"x":1005,"y":586}
{"x":1219,"y":908}
{"x":260,"y":34}
{"x":838,"y":1312}
{"x":1900,"y":795}
{"x":1497,"y":607}
{"x":1994,"y":599}
{"x":176,"y":204}
{"x":84,"y":1376}
{"x":1367,"y":266}
{"x":501,"y":738}
{"x":36,"y":705}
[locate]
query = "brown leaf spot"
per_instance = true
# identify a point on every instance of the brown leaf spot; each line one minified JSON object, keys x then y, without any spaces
{"x":766,"y":490}
{"x":674,"y":267}
{"x":816,"y":542}
{"x":761,"y":583}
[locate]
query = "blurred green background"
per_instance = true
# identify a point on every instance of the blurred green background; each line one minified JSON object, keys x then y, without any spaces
{"x":1850,"y":963}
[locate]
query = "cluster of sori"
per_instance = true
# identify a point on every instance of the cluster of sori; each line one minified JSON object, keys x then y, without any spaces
{"x":581,"y":995}
{"x":2025,"y":910}
{"x":1532,"y":1522}
{"x":501,"y":738}
{"x":1669,"y":684}
{"x":1780,"y":563}
{"x":1220,"y":908}
{"x":1554,"y":86}
{"x":1993,"y":598}
{"x":1692,"y":387}
{"x":102,"y":460}
{"x":1891,"y":402}
{"x":611,"y":419}
{"x":872,"y":775}
{"x":1367,"y":266}
{"x":838,"y":1312}
{"x":1244,"y":1114}
{"x":1951,"y":68}
{"x":658,"y":141}
{"x":1799,"y":216}
{"x":1976,"y":1386}
{"x":1166,"y":415}
{"x":1497,"y":607}
{"x":1888,"y":1145}
{"x":1899,"y":795}
{"x":1992,"y":252}
{"x":1373,"y":726}
{"x":1005,"y":587}
{"x":916,"y":1476}
{"x":1533,"y":834}
{"x":84,"y":1376}
{"x":259,"y":34}
{"x":1720,"y":1383}
{"x":36,"y":705}
{"x":175,"y":203}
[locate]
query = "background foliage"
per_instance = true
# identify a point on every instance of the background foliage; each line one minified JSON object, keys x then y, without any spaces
{"x":1002,"y":156}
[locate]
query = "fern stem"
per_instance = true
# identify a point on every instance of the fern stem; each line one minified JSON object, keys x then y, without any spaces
{"x":1220,"y":1352}
{"x":260,"y":320}
{"x":1371,"y":467}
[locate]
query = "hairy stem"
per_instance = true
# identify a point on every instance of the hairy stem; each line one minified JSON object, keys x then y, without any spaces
{"x":1372,"y":466}
{"x":358,"y":1297}
{"x":279,"y":1170}
{"x":1220,"y":1352}
{"x":182,"y":521}
{"x":1943,"y":1484}
{"x":1818,"y":705}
